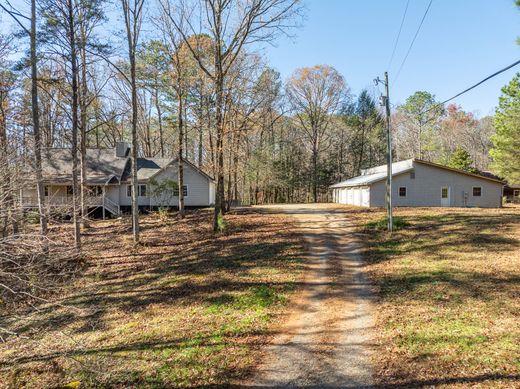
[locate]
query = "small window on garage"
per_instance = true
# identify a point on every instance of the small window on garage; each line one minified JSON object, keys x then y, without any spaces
{"x":477,"y":191}
{"x":402,"y":191}
{"x":412,"y":175}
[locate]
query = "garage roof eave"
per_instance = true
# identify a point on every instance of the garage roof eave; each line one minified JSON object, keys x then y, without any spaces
{"x":367,"y":180}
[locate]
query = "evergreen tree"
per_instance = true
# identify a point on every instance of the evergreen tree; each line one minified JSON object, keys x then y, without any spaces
{"x":506,"y":141}
{"x":368,"y":126}
{"x":461,"y":159}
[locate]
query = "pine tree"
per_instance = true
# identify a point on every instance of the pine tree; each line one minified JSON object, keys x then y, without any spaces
{"x":506,"y":141}
{"x":461,"y":159}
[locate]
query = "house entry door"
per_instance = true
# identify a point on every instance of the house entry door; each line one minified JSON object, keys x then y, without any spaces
{"x":445,"y":196}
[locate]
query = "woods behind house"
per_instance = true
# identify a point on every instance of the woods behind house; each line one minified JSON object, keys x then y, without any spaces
{"x":188,"y":80}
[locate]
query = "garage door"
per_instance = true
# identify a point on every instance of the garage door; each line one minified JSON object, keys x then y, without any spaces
{"x":357,"y":196}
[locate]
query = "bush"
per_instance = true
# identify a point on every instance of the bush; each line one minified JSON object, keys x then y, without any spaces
{"x":221,"y":223}
{"x":32,"y":217}
{"x":164,"y":213}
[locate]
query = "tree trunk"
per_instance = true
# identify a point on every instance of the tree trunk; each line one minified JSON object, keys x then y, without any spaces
{"x":36,"y":126}
{"x":201,"y":133}
{"x":134,"y":151}
{"x":132,"y":23}
{"x":219,"y":91}
{"x":74,"y":73}
{"x":314,"y":172}
{"x":179,"y":156}
{"x":83,"y":124}
{"x":159,"y":118}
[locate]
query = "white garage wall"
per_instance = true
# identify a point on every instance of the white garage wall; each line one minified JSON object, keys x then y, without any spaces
{"x":425,"y":189}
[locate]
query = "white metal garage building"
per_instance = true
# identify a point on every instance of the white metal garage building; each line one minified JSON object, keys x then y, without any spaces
{"x":418,"y":183}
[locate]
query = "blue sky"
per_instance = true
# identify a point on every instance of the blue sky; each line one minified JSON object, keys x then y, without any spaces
{"x":460,"y":43}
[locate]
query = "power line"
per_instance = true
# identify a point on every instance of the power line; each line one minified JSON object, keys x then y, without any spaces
{"x":483,"y":81}
{"x":475,"y":85}
{"x":413,"y":41}
{"x":398,"y":35}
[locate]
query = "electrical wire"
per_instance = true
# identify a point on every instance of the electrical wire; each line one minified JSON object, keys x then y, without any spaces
{"x":413,"y":41}
{"x":475,"y":85}
{"x":398,"y":36}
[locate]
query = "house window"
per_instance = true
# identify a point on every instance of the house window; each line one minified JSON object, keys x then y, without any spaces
{"x":184,"y":191}
{"x":46,"y":191}
{"x":477,"y":191}
{"x":70,"y":191}
{"x":516,"y":193}
{"x":412,"y":175}
{"x":141,"y":190}
{"x":402,"y":191}
{"x":444,"y":193}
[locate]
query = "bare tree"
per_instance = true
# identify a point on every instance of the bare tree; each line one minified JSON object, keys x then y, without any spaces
{"x":316,"y":94}
{"x":32,"y":33}
{"x":133,"y":15}
{"x":180,"y":57}
{"x":61,"y":38}
{"x":231,"y":24}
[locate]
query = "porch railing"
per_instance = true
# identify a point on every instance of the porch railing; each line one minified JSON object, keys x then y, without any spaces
{"x":64,"y":201}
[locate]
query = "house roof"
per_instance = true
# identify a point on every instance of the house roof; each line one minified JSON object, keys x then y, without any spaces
{"x":481,"y":176}
{"x":102,"y":165}
{"x":373,"y":175}
{"x":148,"y":168}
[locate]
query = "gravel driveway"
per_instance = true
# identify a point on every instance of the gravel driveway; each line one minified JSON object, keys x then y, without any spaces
{"x":326,"y":341}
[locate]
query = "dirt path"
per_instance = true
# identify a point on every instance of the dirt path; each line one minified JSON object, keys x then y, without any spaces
{"x":326,"y":341}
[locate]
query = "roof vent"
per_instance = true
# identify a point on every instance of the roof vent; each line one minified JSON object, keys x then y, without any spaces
{"x":122,"y":149}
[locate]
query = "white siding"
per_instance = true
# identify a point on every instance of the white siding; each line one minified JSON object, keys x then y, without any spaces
{"x":112,"y":192}
{"x":199,"y":189}
{"x":353,"y":196}
{"x":425,"y":189}
{"x":126,"y":200}
{"x":198,"y":186}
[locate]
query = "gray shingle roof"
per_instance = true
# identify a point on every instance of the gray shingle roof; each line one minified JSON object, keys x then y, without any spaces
{"x":149,"y":167}
{"x":102,"y":165}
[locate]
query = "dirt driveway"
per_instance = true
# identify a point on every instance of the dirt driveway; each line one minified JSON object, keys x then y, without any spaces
{"x":326,"y":341}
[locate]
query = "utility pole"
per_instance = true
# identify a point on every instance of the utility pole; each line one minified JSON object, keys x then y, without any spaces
{"x":385,"y":100}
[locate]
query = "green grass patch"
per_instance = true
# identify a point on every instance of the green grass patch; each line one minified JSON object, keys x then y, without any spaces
{"x":398,"y":223}
{"x":256,"y":298}
{"x":448,"y":286}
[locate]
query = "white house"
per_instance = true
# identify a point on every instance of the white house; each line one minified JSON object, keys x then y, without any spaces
{"x":418,"y":183}
{"x":109,"y":181}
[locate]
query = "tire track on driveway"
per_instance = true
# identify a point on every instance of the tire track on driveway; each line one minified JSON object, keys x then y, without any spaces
{"x":326,"y":341}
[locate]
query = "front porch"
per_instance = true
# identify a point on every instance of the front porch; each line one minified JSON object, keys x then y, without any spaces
{"x":61,"y":198}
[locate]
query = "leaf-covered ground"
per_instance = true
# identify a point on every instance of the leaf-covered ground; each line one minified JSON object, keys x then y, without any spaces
{"x":448,"y":308}
{"x":186,"y":308}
